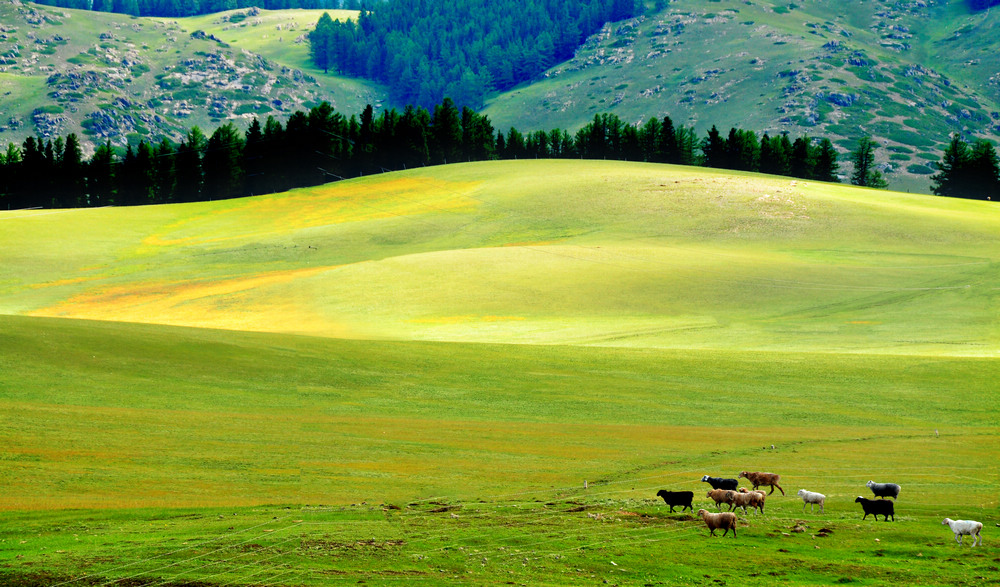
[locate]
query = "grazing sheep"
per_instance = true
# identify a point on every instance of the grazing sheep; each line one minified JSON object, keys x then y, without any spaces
{"x":884,"y":490}
{"x":720,"y":483}
{"x":758,"y":479}
{"x":876,"y":507}
{"x":725,"y":520}
{"x":963,"y":528}
{"x":812,"y":498}
{"x":720,"y":496}
{"x":678,"y":498}
{"x":757,"y":500}
{"x":744,"y":499}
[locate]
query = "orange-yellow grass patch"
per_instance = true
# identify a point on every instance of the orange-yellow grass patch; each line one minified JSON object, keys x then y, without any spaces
{"x":59,"y":282}
{"x":313,"y":207}
{"x":464,"y":319}
{"x":226,"y":303}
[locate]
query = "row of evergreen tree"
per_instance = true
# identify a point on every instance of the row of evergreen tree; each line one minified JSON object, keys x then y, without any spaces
{"x":422,"y":49}
{"x":968,"y":171}
{"x":175,"y":8}
{"x":323,"y":145}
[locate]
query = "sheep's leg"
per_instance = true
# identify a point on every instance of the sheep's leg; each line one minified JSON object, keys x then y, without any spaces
{"x":822,"y":506}
{"x":779,"y":488}
{"x":958,"y":538}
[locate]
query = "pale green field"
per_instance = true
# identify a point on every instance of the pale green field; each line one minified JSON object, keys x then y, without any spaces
{"x":546,"y":252}
{"x":410,"y":377}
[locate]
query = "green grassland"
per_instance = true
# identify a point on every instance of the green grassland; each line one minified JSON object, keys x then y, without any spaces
{"x":410,"y":377}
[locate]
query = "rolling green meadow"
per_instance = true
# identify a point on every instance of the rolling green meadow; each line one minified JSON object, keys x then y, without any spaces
{"x":482,"y":373}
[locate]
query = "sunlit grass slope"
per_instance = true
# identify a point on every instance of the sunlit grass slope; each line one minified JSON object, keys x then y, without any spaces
{"x":551,"y":252}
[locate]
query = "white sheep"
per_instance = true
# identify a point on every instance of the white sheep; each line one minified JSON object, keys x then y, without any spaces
{"x":724,"y":520}
{"x":962,"y":528}
{"x":812,"y":498}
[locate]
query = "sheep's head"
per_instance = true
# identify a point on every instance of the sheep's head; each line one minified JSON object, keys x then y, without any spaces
{"x":946,"y":522}
{"x":743,"y":474}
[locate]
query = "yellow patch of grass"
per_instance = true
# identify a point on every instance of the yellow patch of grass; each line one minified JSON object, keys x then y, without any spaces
{"x":464,"y":319}
{"x":325,"y":205}
{"x":229,"y":304}
{"x":60,"y":282}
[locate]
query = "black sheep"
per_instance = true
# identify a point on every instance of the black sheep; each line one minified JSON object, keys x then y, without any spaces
{"x":877,"y":507}
{"x":719,"y":483}
{"x":677,"y":498}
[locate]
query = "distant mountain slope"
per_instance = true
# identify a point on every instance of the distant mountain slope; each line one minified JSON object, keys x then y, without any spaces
{"x":107,"y":76}
{"x":907,"y":73}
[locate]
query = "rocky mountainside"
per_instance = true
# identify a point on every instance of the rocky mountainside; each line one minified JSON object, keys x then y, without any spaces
{"x":118,"y":78}
{"x":907,"y":73}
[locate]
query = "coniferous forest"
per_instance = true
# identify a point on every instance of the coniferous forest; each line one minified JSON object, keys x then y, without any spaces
{"x":422,"y":50}
{"x":323,"y":145}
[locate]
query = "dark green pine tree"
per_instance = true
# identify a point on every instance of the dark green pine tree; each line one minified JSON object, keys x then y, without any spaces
{"x":478,"y":143}
{"x":190,"y":173}
{"x":71,"y":181}
{"x":516,"y":148}
{"x":802,"y":162}
{"x":826,"y":162}
{"x":775,"y":154}
{"x":713,"y":149}
{"x":648,"y":140}
{"x":321,"y":43}
{"x":446,"y":133}
{"x":223,"y":154}
{"x":101,"y":174}
{"x":951,"y":180}
{"x":984,"y":180}
{"x":165,"y":171}
{"x":863,"y":158}
{"x":414,"y":136}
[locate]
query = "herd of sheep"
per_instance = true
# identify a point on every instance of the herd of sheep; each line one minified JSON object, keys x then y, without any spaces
{"x":724,"y":491}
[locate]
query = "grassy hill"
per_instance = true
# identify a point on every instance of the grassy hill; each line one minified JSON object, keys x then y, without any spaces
{"x":351,"y":406}
{"x":646,"y":256}
{"x":907,"y":74}
{"x":108,"y":76}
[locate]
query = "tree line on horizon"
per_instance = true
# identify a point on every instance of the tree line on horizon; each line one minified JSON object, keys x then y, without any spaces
{"x":323,"y":145}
